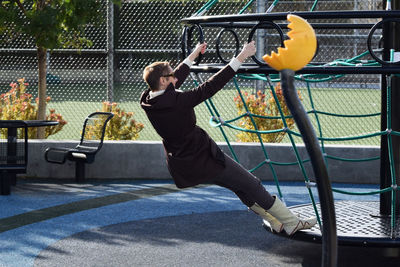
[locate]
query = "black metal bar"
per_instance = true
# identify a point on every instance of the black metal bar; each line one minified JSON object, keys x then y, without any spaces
{"x":40,"y":123}
{"x":384,"y":198}
{"x":396,"y":111}
{"x":255,"y":69}
{"x":55,"y":51}
{"x":391,"y":39}
{"x":88,"y":51}
{"x":284,"y":25}
{"x":343,"y":14}
{"x":329,"y":236}
{"x":12,"y":152}
{"x":79,"y":171}
{"x":5,"y":186}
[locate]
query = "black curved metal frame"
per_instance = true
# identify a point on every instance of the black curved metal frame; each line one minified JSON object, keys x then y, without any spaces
{"x":329,"y":237}
{"x":256,"y":21}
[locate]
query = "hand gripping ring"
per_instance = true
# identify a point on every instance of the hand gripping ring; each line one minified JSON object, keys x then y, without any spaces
{"x":218,"y":41}
{"x":186,"y":43}
{"x":261,"y":25}
{"x":369,"y":40}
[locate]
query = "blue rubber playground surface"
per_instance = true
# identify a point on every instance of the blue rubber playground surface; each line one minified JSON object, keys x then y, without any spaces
{"x":152,"y":223}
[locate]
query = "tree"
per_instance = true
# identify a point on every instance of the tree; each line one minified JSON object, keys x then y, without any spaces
{"x":52,"y":24}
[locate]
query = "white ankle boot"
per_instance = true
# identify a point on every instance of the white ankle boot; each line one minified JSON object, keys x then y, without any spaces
{"x":291,"y":223}
{"x":268,"y":219}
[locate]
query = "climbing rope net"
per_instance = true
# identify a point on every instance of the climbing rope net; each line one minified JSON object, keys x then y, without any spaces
{"x":365,"y":59}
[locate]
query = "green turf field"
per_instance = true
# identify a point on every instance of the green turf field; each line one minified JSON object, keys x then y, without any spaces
{"x":341,"y":101}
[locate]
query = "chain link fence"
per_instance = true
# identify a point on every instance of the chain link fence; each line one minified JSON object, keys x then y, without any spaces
{"x":146,"y":31}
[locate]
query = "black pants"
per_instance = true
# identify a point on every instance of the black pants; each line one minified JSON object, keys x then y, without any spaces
{"x":244,"y":184}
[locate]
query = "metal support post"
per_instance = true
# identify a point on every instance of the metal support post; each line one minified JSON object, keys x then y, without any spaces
{"x":391,"y":37}
{"x":110,"y":51}
{"x":260,"y":43}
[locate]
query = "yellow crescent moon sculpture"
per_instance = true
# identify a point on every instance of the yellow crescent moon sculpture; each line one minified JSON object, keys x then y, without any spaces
{"x":298,"y":50}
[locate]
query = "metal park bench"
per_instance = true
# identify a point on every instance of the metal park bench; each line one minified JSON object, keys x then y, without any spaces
{"x":91,"y":142}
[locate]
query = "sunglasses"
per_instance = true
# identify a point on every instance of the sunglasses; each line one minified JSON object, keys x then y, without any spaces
{"x":172,"y":74}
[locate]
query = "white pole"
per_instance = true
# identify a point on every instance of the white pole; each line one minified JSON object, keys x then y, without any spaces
{"x":260,"y":42}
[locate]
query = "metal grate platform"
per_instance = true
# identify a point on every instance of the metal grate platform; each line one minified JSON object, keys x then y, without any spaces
{"x":358,"y":224}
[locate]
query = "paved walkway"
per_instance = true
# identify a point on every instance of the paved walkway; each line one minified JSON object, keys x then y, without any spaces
{"x":152,"y":223}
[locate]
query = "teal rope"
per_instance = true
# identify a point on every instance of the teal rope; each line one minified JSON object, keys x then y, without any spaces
{"x":395,"y":133}
{"x":310,"y":111}
{"x":246,"y":6}
{"x":223,"y":134}
{"x":391,"y":159}
{"x":362,"y":193}
{"x":288,"y":163}
{"x":259,"y":137}
{"x":206,"y":7}
{"x":347,"y":115}
{"x":390,"y":150}
{"x":214,"y":124}
{"x":276,"y":163}
{"x":221,"y":129}
{"x":314,"y":5}
{"x":317,"y":120}
{"x":353,"y":160}
{"x":345,"y":138}
{"x":313,"y":80}
{"x":272,"y":6}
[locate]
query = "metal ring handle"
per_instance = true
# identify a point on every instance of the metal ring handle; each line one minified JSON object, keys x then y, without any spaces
{"x":186,"y":42}
{"x":218,"y":41}
{"x":369,"y":40}
{"x":183,"y":42}
{"x":263,"y":24}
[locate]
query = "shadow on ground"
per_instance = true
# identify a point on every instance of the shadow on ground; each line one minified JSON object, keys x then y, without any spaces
{"x":234,"y":238}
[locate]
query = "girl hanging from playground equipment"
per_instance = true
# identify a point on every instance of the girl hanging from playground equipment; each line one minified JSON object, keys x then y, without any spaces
{"x":192,"y":156}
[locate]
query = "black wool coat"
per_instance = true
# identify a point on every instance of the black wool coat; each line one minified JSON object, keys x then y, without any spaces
{"x":192,"y":156}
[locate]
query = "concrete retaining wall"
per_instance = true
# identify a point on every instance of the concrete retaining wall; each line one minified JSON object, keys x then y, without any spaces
{"x":145,"y":159}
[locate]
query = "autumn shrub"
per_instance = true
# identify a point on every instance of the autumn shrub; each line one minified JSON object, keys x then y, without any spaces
{"x":121,"y":127}
{"x":262,"y":106}
{"x":16,"y":104}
